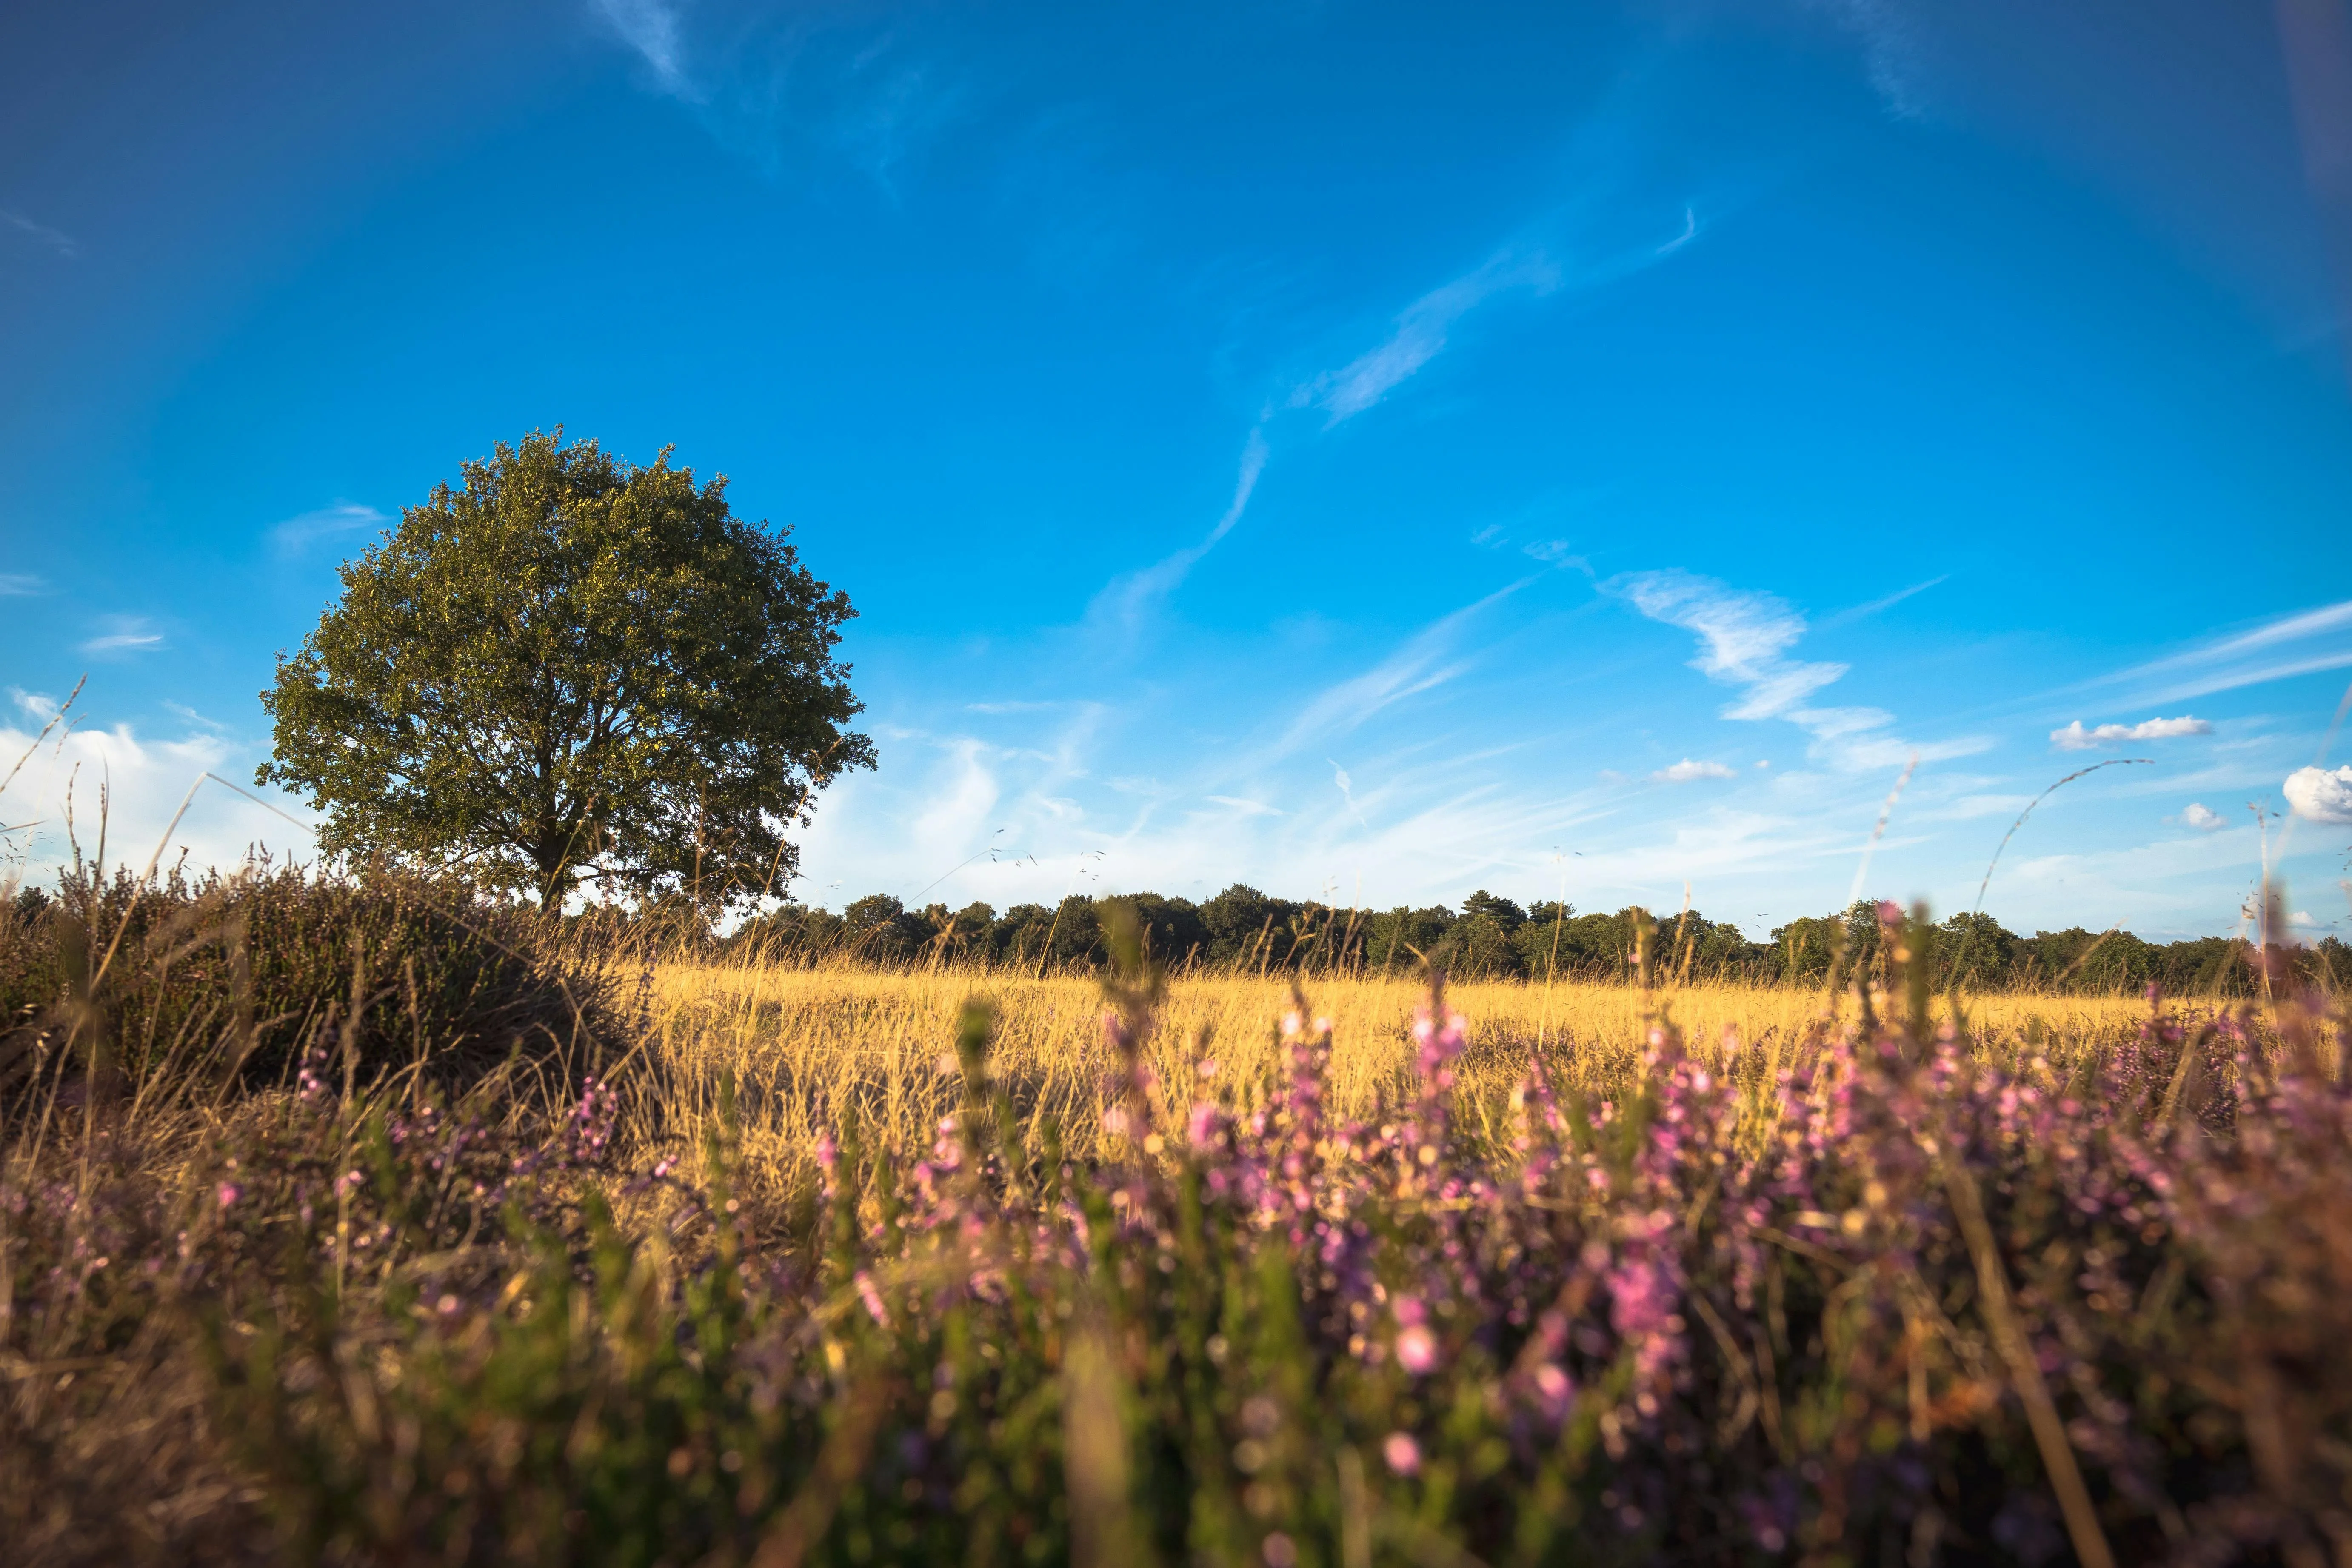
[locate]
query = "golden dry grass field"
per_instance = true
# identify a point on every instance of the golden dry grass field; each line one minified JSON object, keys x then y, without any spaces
{"x":802,"y":1046}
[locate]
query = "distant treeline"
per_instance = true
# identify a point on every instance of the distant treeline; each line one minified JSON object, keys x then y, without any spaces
{"x":1490,"y":938}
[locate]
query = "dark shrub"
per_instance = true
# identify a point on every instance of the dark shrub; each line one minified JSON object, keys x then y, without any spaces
{"x":232,"y":977}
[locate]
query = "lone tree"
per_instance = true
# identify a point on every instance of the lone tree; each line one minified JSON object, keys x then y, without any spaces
{"x":571,"y":669}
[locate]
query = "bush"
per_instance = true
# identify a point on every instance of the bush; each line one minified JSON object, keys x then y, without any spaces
{"x":1887,"y":1295}
{"x":231,"y":978}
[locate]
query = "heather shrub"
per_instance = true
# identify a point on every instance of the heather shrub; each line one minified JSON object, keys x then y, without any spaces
{"x":1880,"y":1294}
{"x":139,"y":1261}
{"x":231,"y":978}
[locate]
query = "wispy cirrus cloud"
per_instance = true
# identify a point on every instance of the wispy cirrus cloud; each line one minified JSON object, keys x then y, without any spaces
{"x":1125,"y":600}
{"x":1420,"y":335}
{"x":21,"y":585}
{"x":1892,"y":52}
{"x":1863,"y":611}
{"x":1422,"y":330}
{"x":1744,"y":638}
{"x":1429,"y":658}
{"x":1416,"y":337}
{"x":2075,"y":737}
{"x":63,"y":244}
{"x":298,"y":533}
{"x":1347,"y":787}
{"x":651,"y":28}
{"x":866,"y":84}
{"x":2302,"y":642}
{"x":122,"y":635}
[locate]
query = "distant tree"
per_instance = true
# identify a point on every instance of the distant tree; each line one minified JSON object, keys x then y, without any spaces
{"x":1976,"y":949}
{"x":1018,"y":936}
{"x":788,"y":933}
{"x":1243,"y":926}
{"x":1545,"y":951}
{"x":1861,"y":937}
{"x":1172,"y":927}
{"x":1714,"y":948}
{"x":1478,"y":947}
{"x":2329,"y":965}
{"x":967,"y":931}
{"x":1247,"y":927}
{"x":1337,"y":939}
{"x":1808,"y":945}
{"x":1398,"y":940}
{"x":1506,"y":914}
{"x":882,"y":929}
{"x":1604,"y":945}
{"x":571,"y":668}
{"x":2079,"y":960}
{"x":1077,"y":932}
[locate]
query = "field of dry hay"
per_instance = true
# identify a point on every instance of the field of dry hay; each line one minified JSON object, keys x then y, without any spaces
{"x":803,"y":1045}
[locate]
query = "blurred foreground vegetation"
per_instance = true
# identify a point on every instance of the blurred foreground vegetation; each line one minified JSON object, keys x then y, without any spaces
{"x":373,"y":1224}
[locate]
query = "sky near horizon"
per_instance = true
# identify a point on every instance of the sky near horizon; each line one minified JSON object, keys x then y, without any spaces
{"x":1371,"y":453}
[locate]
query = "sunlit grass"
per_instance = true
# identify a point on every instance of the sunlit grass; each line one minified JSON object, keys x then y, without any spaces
{"x":802,"y":1045}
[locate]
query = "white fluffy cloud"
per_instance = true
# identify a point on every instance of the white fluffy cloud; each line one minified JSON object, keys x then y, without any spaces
{"x":1686,"y":770}
{"x":2076,"y":738}
{"x":82,"y":788}
{"x":2318,"y":796}
{"x":2200,"y":817}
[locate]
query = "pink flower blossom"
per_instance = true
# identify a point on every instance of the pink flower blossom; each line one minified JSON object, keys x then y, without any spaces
{"x":871,"y":1294}
{"x":1553,"y":1391}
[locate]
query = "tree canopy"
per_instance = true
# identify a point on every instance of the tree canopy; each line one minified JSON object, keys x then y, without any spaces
{"x":569,"y":668}
{"x":1244,"y":930}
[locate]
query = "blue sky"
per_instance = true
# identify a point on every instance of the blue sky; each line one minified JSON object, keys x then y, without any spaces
{"x":1372,"y":453}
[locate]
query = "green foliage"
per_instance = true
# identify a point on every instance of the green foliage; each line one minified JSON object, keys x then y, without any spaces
{"x":1172,"y":929}
{"x":571,"y":668}
{"x":1245,"y":926}
{"x":1399,"y":940}
{"x":1494,"y":938}
{"x":1507,"y":916}
{"x":1478,"y":947}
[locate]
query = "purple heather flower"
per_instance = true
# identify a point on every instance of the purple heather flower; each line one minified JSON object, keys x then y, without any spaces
{"x":871,"y":1294}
